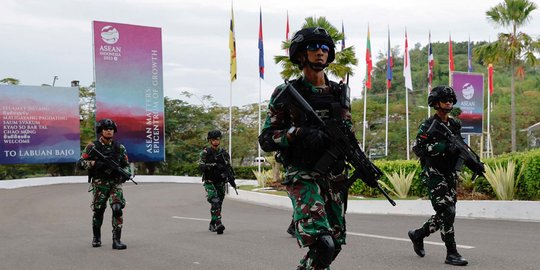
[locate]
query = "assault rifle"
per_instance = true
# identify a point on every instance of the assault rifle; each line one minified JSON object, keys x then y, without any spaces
{"x":467,"y":156}
{"x":228,"y":173}
{"x":345,"y":145}
{"x":113,"y":168}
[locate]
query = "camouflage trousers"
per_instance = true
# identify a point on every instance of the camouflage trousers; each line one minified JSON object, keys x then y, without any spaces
{"x":103,"y":190}
{"x":443,"y":196}
{"x":317,"y":210}
{"x":215,"y":193}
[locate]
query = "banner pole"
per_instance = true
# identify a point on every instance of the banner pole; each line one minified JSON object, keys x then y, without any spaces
{"x":230,"y":123}
{"x":258,"y":145}
{"x":364,"y":123}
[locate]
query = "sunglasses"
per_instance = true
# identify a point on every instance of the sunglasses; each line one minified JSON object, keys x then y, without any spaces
{"x":447,"y":99}
{"x":316,"y":47}
{"x":108,"y":128}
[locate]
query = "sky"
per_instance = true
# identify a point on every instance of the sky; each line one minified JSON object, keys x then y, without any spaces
{"x":44,"y":39}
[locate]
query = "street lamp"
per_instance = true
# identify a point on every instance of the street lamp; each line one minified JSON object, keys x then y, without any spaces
{"x":54,"y":80}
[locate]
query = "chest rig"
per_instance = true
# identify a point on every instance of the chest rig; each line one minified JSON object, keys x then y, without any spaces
{"x":328,"y":104}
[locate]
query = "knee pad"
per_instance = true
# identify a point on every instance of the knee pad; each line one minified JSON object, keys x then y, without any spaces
{"x":324,"y":251}
{"x":116,"y":210}
{"x":215,"y":202}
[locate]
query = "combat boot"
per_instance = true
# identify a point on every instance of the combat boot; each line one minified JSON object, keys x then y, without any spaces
{"x":219,"y":227}
{"x":453,"y":257}
{"x":291,"y":230}
{"x":96,"y":241}
{"x":417,"y":238}
{"x":212,"y":227}
{"x":117,"y":244}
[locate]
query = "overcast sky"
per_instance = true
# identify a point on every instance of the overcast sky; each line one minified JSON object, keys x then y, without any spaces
{"x":43,"y":39}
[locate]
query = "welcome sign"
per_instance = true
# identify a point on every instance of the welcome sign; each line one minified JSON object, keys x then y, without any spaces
{"x":39,"y":124}
{"x":129,"y":86}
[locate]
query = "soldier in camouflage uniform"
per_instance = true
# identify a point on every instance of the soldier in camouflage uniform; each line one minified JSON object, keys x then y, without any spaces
{"x":213,"y":161}
{"x":318,"y":204}
{"x":438,"y":158}
{"x":106,"y":184}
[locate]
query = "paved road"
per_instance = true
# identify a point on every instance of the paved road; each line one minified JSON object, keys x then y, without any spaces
{"x":48,"y":227}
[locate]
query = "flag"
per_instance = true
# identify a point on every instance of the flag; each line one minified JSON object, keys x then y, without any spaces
{"x":261,"y":48}
{"x":369,"y":63}
{"x":450,"y":56}
{"x":407,"y":65}
{"x":287,"y":31}
{"x":469,"y":56}
{"x":389,"y":64}
{"x":490,"y":79}
{"x":343,"y":40}
{"x":431,"y":62}
{"x":232,"y":47}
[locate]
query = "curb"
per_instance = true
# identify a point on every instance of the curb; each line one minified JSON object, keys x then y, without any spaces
{"x":506,"y":210}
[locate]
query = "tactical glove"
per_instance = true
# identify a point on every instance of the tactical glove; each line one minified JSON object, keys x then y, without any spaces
{"x":312,"y":138}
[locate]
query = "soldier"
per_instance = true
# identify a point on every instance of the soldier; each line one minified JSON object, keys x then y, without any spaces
{"x":318,"y":205}
{"x":438,"y":159}
{"x":213,"y":161}
{"x":106,"y":183}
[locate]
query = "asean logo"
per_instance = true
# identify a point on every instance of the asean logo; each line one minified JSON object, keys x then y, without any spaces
{"x":467,"y":91}
{"x":109,"y":34}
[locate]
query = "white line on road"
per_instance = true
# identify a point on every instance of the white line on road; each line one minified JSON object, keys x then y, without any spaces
{"x":358,"y":234}
{"x":403,"y":239}
{"x":190,"y":218}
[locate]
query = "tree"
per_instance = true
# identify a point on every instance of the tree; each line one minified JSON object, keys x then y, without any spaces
{"x":341,"y":66}
{"x":516,"y":49}
{"x":11,"y":81}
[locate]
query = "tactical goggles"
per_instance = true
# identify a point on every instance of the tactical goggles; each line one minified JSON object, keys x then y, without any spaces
{"x":108,"y":128}
{"x":317,"y":46}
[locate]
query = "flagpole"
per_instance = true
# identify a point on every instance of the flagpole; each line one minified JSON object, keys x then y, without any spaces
{"x":230,"y":122}
{"x":407,"y":119}
{"x":364,"y":123}
{"x":258,"y":145}
{"x":386,"y":136}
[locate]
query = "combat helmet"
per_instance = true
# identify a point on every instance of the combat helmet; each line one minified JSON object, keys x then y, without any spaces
{"x":309,"y":35}
{"x":213,"y":134}
{"x":439,"y":93}
{"x":106,"y":123}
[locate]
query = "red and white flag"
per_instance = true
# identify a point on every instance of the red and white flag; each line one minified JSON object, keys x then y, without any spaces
{"x":431,"y":62}
{"x":407,"y":65}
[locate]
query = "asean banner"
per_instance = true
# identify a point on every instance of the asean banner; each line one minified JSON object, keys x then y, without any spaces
{"x":129,"y":86}
{"x":40,"y":124}
{"x":469,"y":89}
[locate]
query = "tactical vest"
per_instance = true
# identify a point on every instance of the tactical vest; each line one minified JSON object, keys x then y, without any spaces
{"x":327,"y":105}
{"x":113,"y":151}
{"x":443,"y":163}
{"x":213,"y":156}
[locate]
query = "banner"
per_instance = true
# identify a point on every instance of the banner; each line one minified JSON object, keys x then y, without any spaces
{"x":128,"y":70}
{"x":469,"y":89}
{"x":40,"y":124}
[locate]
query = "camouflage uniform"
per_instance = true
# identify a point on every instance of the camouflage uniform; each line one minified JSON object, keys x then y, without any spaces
{"x":105,"y":186}
{"x":212,"y":166}
{"x":438,"y":161}
{"x":318,"y":206}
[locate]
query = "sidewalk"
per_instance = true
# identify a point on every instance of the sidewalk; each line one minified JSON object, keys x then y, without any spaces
{"x":511,"y":210}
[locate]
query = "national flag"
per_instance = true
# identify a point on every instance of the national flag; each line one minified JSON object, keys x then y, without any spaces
{"x":490,"y":79}
{"x":450,"y":56}
{"x":407,"y":65}
{"x":343,"y":40}
{"x":469,"y":56}
{"x":431,"y":62}
{"x":369,"y":62}
{"x":261,"y":48}
{"x":389,"y":64}
{"x":287,"y":31}
{"x":232,"y":47}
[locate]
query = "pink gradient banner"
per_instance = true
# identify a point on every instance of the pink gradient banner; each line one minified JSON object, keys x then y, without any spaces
{"x":128,"y":70}
{"x":469,"y":89}
{"x":39,"y":124}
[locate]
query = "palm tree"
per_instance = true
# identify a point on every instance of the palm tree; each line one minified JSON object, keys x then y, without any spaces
{"x":516,"y":49}
{"x":340,"y":68}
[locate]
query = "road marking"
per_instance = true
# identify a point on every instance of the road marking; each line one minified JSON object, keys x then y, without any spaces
{"x":403,"y":239}
{"x":358,"y":234}
{"x":190,"y":218}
